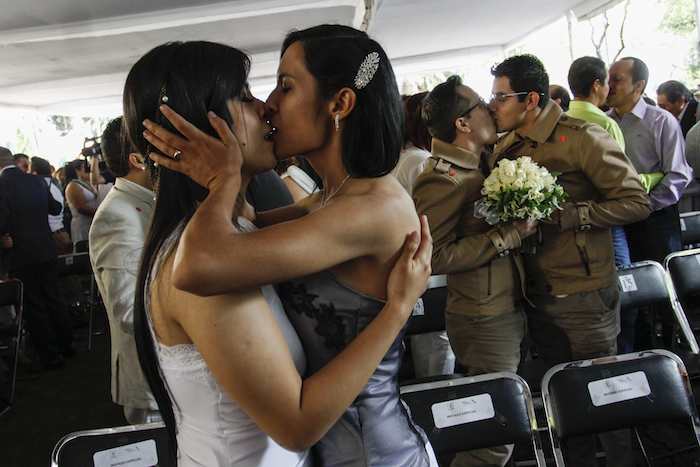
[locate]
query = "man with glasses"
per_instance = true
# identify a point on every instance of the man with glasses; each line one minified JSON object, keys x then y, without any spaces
{"x":571,"y":277}
{"x":485,"y":317}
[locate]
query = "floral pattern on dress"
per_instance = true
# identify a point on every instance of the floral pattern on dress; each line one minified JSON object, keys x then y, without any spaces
{"x":335,"y":327}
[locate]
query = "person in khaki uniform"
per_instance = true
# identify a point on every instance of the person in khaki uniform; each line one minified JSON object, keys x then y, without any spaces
{"x":485,"y":318}
{"x":571,"y":277}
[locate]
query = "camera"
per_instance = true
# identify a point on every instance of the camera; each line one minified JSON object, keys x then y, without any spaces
{"x":91,"y":147}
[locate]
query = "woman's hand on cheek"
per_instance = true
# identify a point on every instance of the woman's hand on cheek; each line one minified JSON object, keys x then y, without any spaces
{"x":207,"y":160}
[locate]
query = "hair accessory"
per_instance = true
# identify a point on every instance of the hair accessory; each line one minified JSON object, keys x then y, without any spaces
{"x":337,"y":122}
{"x":368,"y":68}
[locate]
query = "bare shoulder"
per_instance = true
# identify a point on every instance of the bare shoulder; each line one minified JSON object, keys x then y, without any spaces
{"x":387,"y":209}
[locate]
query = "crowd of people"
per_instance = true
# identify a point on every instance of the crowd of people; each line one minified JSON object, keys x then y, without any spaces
{"x":261,"y":317}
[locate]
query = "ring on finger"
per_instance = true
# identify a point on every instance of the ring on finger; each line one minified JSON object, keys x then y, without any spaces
{"x":177,"y":155}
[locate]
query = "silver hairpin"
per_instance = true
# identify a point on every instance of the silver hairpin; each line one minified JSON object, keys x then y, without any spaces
{"x":368,"y":68}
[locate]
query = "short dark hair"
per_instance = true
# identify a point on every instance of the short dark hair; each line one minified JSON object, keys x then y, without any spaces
{"x":526,"y":73}
{"x":442,"y":106}
{"x":674,"y":91}
{"x":416,"y":131}
{"x":41,"y":166}
{"x":640,"y":71}
{"x":560,"y":92}
{"x":113,"y":148}
{"x":71,"y":169}
{"x":373,"y":132}
{"x":585,"y":71}
{"x":19,"y":156}
{"x":5,"y":157}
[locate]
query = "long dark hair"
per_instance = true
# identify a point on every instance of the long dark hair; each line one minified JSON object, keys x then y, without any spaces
{"x":373,"y":131}
{"x":196,"y":77}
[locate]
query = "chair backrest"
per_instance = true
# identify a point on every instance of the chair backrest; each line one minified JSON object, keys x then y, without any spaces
{"x":690,"y":227}
{"x":461,"y":414}
{"x":431,"y":318}
{"x":684,"y":269}
{"x":610,"y":393}
{"x":11,"y":292}
{"x":74,"y":264}
{"x":642,"y":284}
{"x":147,"y":442}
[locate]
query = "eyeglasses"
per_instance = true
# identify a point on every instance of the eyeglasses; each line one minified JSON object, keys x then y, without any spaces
{"x":479,"y":103}
{"x":501,"y":97}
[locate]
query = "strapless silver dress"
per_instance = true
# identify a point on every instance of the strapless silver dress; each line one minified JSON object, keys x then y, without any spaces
{"x":376,"y":430}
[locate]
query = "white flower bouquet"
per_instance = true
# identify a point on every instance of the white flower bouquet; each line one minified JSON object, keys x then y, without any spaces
{"x":519,"y":190}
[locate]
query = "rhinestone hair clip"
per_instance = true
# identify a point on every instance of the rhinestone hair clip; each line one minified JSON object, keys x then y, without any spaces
{"x":368,"y":68}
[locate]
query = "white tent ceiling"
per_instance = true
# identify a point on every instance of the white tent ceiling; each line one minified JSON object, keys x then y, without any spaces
{"x":62,"y":55}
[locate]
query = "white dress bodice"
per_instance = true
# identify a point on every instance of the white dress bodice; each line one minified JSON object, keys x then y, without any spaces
{"x":212,"y":429}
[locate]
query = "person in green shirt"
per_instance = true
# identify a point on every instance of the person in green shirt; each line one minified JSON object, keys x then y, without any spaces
{"x":588,"y":80}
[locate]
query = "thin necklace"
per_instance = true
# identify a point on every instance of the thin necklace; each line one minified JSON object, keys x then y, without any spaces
{"x":325,"y":199}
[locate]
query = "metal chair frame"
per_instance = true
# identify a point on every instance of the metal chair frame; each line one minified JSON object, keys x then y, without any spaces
{"x":675,"y":303}
{"x":18,"y":303}
{"x":552,"y":421}
{"x":69,"y":259}
{"x":527,"y":395}
{"x":121,"y":430}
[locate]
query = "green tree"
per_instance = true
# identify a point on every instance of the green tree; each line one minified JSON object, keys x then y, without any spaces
{"x":679,"y":17}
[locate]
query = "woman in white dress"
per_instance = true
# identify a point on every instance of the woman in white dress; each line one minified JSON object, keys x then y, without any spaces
{"x":227,"y":369}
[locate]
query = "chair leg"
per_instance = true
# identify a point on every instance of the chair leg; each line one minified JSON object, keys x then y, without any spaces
{"x":91,"y":311}
{"x":641,"y":447}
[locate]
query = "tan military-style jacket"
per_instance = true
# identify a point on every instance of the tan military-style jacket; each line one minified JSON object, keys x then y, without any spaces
{"x":574,"y":252}
{"x":481,"y":261}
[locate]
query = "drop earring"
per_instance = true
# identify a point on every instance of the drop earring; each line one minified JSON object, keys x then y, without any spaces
{"x":337,"y":122}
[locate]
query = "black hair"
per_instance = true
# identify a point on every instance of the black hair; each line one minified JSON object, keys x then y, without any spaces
{"x":674,"y":91}
{"x":526,"y":73}
{"x":416,"y":131}
{"x":640,"y":71}
{"x":585,"y":71}
{"x":113,"y":150}
{"x":196,"y":77}
{"x":560,"y":92}
{"x":41,"y":166}
{"x":71,"y":169}
{"x":373,"y":132}
{"x":19,"y":156}
{"x":442,"y":107}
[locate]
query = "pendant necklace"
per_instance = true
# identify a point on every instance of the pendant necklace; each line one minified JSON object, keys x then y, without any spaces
{"x":325,"y":199}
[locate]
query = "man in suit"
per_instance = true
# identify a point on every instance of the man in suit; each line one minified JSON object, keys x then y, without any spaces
{"x":677,"y":99}
{"x":25,"y":203}
{"x":117,"y":236}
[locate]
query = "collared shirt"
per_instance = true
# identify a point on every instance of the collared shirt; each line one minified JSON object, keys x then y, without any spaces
{"x":485,"y":275}
{"x":590,"y":113}
{"x":574,"y":251}
{"x":55,"y":222}
{"x":654,"y":143}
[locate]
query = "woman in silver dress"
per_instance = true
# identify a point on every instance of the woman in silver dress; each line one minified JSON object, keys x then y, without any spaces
{"x":336,"y":102}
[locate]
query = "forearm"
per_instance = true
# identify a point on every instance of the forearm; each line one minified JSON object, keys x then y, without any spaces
{"x":472,"y":252}
{"x":279,"y":215}
{"x":605,"y":214}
